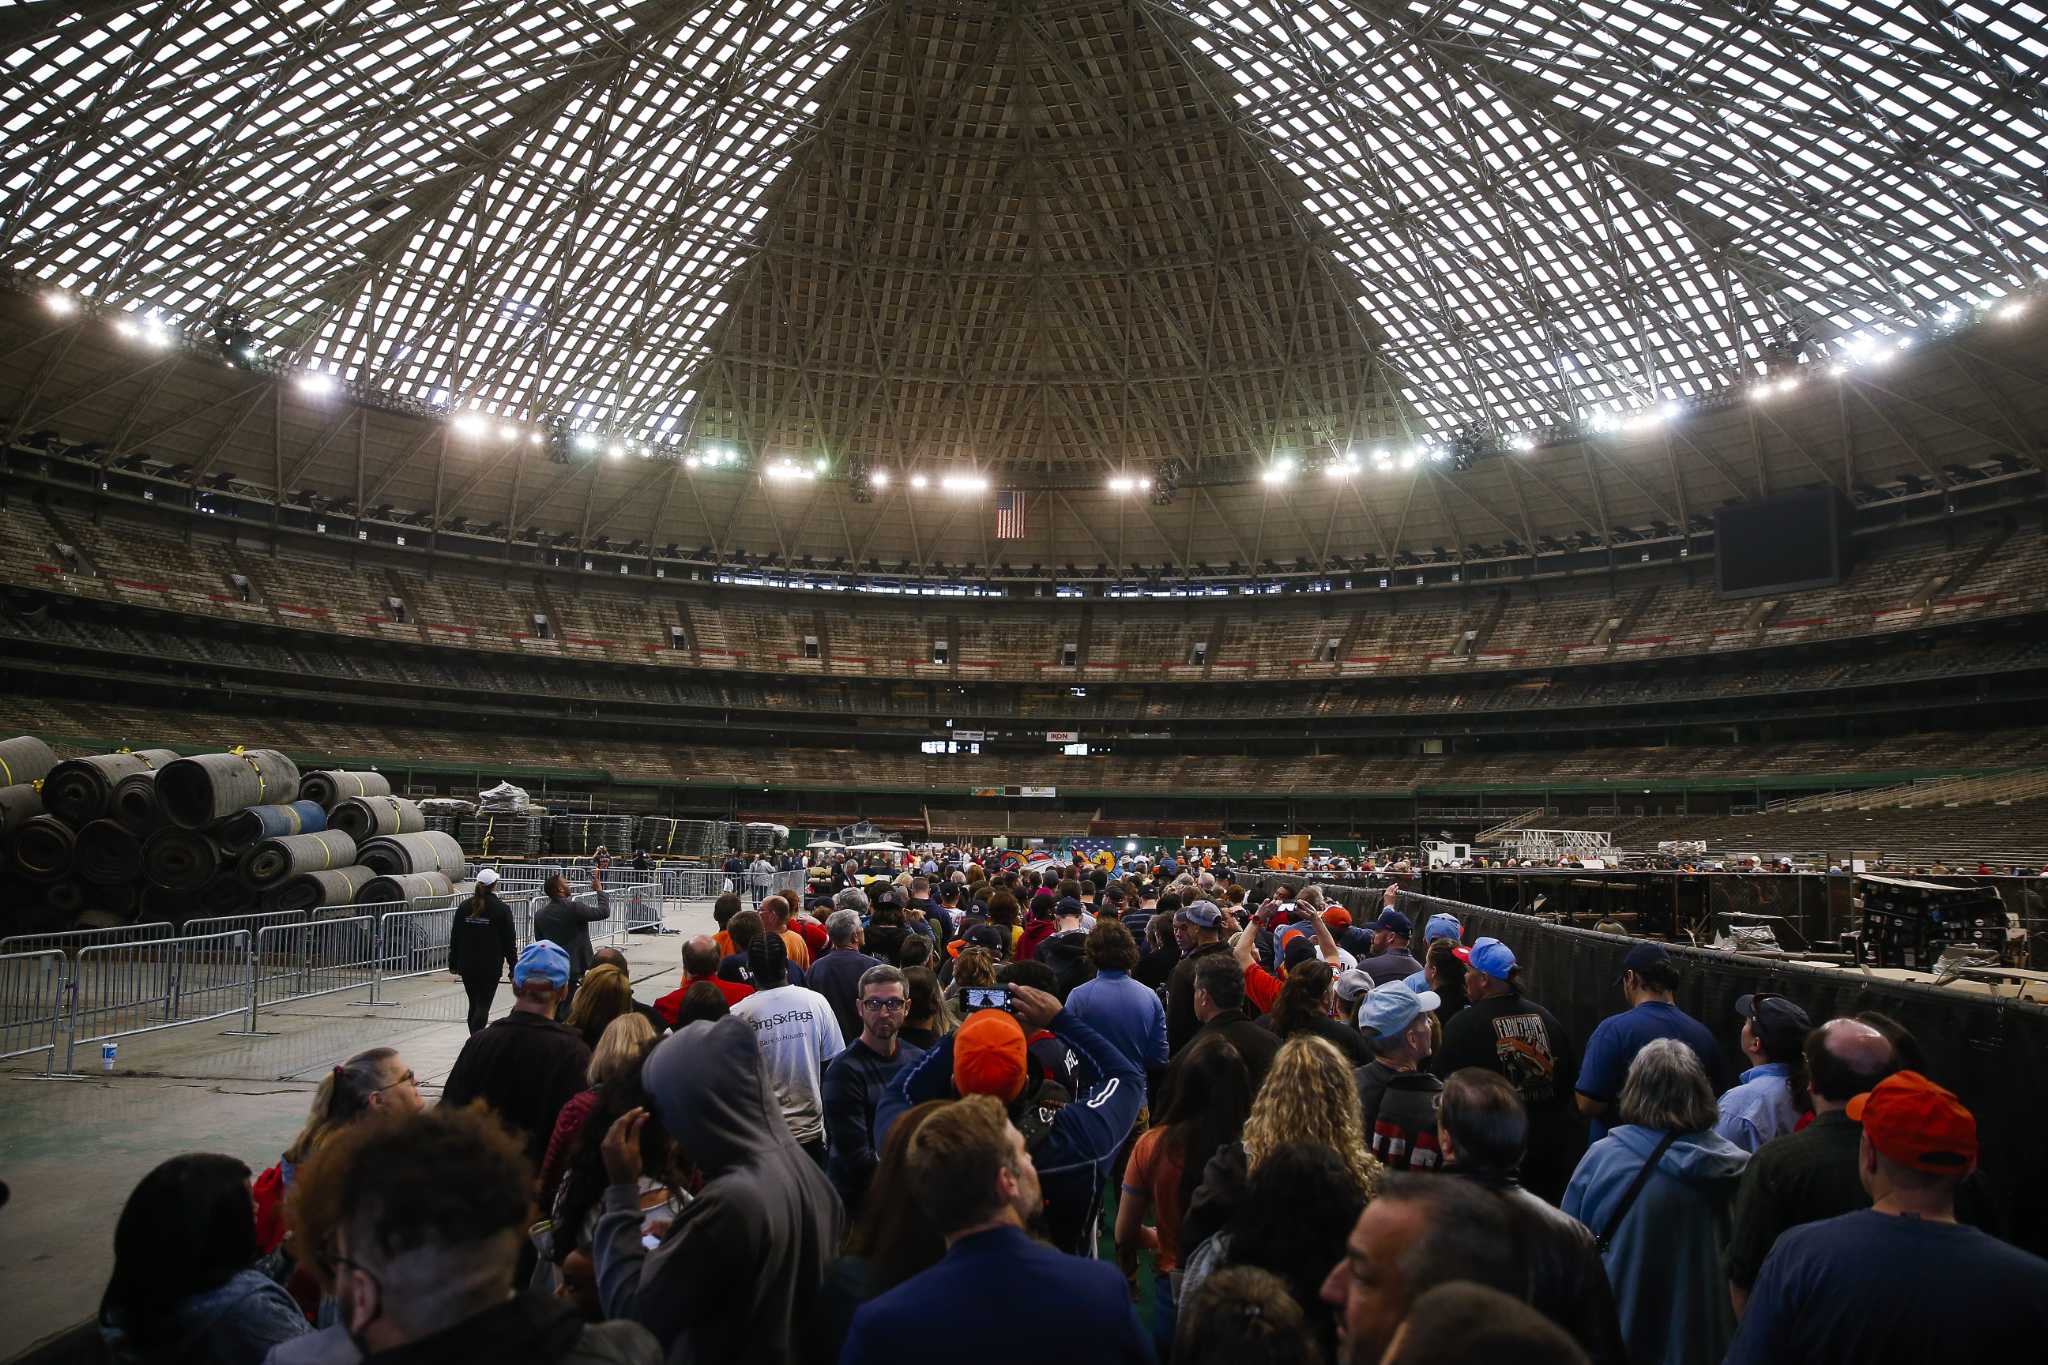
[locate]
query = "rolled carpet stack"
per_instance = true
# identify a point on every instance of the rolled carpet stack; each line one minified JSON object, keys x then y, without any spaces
{"x":315,"y":890}
{"x":24,"y":759}
{"x":65,"y":895}
{"x":273,"y":860}
{"x":82,"y":789}
{"x":225,"y":895}
{"x":18,"y":804}
{"x":428,"y":851}
{"x":112,"y":904}
{"x":370,"y":817}
{"x":331,"y":786}
{"x":107,"y":854}
{"x":44,"y":848}
{"x":245,"y":829}
{"x":403,"y":886}
{"x":180,"y":859}
{"x":134,"y":803}
{"x":195,"y":792}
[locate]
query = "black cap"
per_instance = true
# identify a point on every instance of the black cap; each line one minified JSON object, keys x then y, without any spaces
{"x":1069,"y":906}
{"x":1645,"y":955}
{"x":987,"y":936}
{"x":1781,"y":1023}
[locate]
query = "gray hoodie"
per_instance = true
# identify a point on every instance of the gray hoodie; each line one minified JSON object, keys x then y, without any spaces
{"x":737,"y":1275}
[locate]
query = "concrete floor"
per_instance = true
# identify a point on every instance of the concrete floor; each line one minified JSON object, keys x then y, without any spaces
{"x":72,"y":1149}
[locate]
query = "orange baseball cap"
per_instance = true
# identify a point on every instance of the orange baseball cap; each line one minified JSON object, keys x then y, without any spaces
{"x":988,"y":1056}
{"x":1918,"y":1124}
{"x":1337,"y":917}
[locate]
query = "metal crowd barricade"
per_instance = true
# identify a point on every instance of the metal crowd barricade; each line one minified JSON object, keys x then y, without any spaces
{"x":314,"y":958}
{"x":415,"y":942}
{"x":32,"y":989}
{"x":118,"y":989}
{"x":637,"y":907}
{"x":71,"y":940}
{"x":253,"y":923}
{"x":691,"y":883}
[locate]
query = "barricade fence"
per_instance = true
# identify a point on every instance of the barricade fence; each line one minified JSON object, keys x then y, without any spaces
{"x":120,"y":989}
{"x":32,"y":990}
{"x":70,"y":941}
{"x":314,"y":958}
{"x":415,"y":942}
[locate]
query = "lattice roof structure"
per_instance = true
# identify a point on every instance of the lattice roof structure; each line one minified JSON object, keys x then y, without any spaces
{"x":1047,"y":243}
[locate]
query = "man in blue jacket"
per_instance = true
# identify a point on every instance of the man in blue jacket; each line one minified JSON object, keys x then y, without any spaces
{"x":1073,"y":1142}
{"x":972,"y":1173}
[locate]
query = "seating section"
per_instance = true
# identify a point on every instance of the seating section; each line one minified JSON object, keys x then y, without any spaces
{"x":1234,"y":639}
{"x":2000,"y":836}
{"x":96,"y":726}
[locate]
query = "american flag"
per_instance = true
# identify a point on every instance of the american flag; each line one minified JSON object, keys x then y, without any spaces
{"x":1009,"y":516}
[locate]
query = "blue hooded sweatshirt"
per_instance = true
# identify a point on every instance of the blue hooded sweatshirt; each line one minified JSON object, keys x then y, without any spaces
{"x":1665,"y":1261}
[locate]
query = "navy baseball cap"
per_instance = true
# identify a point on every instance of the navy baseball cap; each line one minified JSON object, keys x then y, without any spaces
{"x":1775,"y":1017}
{"x":1393,"y":919}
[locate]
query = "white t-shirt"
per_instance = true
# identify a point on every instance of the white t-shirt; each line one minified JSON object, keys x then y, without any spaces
{"x":797,"y":1033}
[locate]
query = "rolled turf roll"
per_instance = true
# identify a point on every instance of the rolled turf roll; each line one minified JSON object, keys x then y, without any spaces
{"x":44,"y":848}
{"x":180,"y":859}
{"x":403,"y":886}
{"x":24,"y":759}
{"x":117,"y":904}
{"x":134,"y":803}
{"x":315,"y":890}
{"x":331,"y":786}
{"x":170,"y":907}
{"x":18,"y":803}
{"x":428,"y":851}
{"x":107,"y":854}
{"x":65,"y":895}
{"x":225,"y":895}
{"x":195,"y":792}
{"x":372,"y":817}
{"x":82,"y":789}
{"x":273,"y":860}
{"x":245,"y":829}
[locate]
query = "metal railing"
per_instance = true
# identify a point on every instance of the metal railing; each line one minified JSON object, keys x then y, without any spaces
{"x":119,"y":989}
{"x":70,"y":941}
{"x":313,"y":958}
{"x":92,"y":986}
{"x":32,"y":989}
{"x":415,"y":942}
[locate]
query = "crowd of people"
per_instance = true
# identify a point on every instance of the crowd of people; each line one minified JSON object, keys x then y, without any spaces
{"x":1055,"y":1114}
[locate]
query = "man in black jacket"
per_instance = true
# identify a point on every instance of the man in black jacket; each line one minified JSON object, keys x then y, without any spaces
{"x":856,"y":1079}
{"x":1199,"y":930}
{"x":565,"y":922}
{"x":525,"y":1066}
{"x":1218,"y":988}
{"x":479,"y":938}
{"x":1482,"y":1130}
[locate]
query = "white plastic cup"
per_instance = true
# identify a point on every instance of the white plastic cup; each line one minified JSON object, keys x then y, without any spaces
{"x":107,"y":1054}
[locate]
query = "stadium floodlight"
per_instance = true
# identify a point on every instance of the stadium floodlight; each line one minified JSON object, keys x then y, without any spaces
{"x":964,"y":483}
{"x":534,"y":438}
{"x":469,"y":425}
{"x":585,"y":442}
{"x":820,"y":465}
{"x":508,"y":433}
{"x":918,"y":481}
{"x":616,"y":451}
{"x":1280,"y":471}
{"x":879,"y":478}
{"x":315,"y":384}
{"x":2010,"y":311}
{"x":1522,"y":442}
{"x":60,"y":303}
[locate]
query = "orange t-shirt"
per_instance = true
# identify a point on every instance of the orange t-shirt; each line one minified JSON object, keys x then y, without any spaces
{"x":1155,"y":1169}
{"x":1261,"y":987}
{"x":799,"y":951}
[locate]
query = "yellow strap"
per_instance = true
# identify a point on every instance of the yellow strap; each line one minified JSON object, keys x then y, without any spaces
{"x":358,"y":782}
{"x":7,"y":772}
{"x":292,"y":813}
{"x":327,"y":854}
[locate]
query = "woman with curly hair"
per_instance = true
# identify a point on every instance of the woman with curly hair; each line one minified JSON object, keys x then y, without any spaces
{"x":603,"y":996}
{"x":1309,"y":1097}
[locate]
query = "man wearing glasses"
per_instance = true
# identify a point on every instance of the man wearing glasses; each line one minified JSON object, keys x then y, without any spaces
{"x":857,"y":1078}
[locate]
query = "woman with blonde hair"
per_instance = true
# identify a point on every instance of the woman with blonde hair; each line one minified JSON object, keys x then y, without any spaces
{"x":618,"y":1051}
{"x":604,"y":995}
{"x":1308,"y":1098}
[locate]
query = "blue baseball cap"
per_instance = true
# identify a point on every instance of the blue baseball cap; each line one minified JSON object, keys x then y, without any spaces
{"x":542,"y":958}
{"x":1416,"y":981}
{"x":1393,"y":919}
{"x":1442,"y":925}
{"x":1392,"y":1006}
{"x":1492,"y":957}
